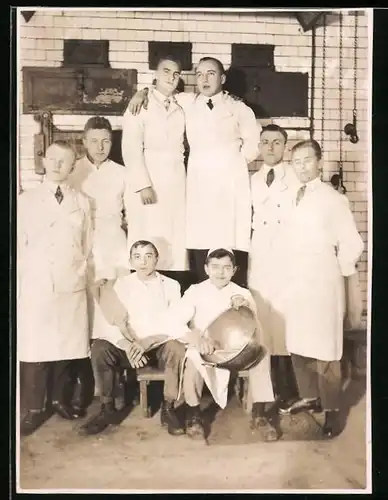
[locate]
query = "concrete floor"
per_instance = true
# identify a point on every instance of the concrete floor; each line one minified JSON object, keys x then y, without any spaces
{"x":139,"y":455}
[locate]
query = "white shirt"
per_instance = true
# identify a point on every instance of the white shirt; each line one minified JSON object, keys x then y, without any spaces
{"x":145,"y":302}
{"x":105,"y":186}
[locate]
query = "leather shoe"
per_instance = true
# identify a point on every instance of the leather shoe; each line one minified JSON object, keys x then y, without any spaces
{"x":169,"y":419}
{"x":65,"y":411}
{"x":79,"y":411}
{"x":96,"y":424}
{"x":331,"y":427}
{"x":194,"y":424}
{"x":312,"y":405}
{"x":31,"y":422}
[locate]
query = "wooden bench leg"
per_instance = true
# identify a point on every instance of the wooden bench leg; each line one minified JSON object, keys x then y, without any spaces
{"x":144,"y":398}
{"x":245,"y":383}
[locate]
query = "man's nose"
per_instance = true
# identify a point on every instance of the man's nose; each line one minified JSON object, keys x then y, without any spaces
{"x":101,"y":146}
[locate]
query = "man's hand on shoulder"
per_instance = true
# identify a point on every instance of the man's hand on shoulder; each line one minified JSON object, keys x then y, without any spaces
{"x":139,"y":100}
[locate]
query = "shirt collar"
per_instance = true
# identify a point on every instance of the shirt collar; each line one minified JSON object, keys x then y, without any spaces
{"x":216,"y":98}
{"x":53,"y":186}
{"x":161,"y":97}
{"x":313,"y":184}
{"x":93,"y":165}
{"x":157,"y":279}
{"x":278,"y":169}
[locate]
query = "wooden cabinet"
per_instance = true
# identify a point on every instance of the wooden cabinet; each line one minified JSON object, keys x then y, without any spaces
{"x":78,"y":90}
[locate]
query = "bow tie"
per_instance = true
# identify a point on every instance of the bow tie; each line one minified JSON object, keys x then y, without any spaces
{"x":210,"y":104}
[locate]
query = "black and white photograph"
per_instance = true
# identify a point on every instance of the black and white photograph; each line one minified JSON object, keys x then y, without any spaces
{"x":193,"y":250}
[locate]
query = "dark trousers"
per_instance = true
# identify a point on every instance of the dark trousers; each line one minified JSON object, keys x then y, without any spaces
{"x":318,"y":379}
{"x":81,"y":386}
{"x":283,"y":378}
{"x":197,"y":259}
{"x":38,"y":379}
{"x":110,"y":360}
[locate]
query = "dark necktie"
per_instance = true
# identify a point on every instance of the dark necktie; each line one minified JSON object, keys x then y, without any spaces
{"x":210,"y":104}
{"x":270,"y":177}
{"x":59,"y":195}
{"x":167,"y":104}
{"x":300,"y":193}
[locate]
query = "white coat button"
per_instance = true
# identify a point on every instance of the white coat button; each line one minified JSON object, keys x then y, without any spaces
{"x":278,"y":206}
{"x":265,"y":222}
{"x":278,"y":221}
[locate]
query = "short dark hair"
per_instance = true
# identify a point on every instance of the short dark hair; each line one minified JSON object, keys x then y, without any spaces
{"x":219,"y":253}
{"x":216,"y":61}
{"x":309,"y":143}
{"x":98,"y":123}
{"x":63,"y":144}
{"x":172,"y":59}
{"x":142,"y":244}
{"x":272,"y":127}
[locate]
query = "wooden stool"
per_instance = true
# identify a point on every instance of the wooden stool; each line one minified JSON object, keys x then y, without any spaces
{"x":241,"y":388}
{"x":144,"y":377}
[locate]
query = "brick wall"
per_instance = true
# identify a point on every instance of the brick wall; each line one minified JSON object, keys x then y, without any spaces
{"x":212,"y":33}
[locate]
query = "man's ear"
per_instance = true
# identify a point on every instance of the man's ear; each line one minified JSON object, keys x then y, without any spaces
{"x":206,"y":270}
{"x":223,"y":79}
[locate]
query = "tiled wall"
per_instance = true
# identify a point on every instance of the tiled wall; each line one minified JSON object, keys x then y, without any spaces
{"x":212,"y":33}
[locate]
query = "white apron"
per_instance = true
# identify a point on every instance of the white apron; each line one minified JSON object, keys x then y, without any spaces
{"x":54,"y":242}
{"x":153,"y":154}
{"x":322,"y":245}
{"x":218,"y":190}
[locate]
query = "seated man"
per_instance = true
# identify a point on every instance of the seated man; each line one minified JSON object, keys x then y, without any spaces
{"x":198,"y":308}
{"x":131,"y":308}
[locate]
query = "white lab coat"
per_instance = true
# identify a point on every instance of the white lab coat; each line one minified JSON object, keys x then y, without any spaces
{"x":146,"y":303}
{"x":53,"y":246}
{"x":105,"y":187}
{"x":271,"y":206}
{"x":222,"y":143}
{"x":320,"y":227}
{"x":152,"y":148}
{"x":199,"y":307}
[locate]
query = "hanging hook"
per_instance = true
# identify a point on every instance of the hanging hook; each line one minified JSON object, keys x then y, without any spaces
{"x":350,"y":129}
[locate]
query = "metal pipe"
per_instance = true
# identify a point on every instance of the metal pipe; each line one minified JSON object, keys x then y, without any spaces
{"x":312,"y":95}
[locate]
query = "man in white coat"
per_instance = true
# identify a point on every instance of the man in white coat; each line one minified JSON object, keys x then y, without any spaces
{"x":272,"y":191}
{"x":153,"y":152}
{"x":126,"y":335}
{"x":104,"y":182}
{"x":223,"y":136}
{"x":189,"y":319}
{"x":54,"y":243}
{"x":323,"y":246}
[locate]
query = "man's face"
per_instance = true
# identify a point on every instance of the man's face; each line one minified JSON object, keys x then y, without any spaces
{"x":144,"y":260}
{"x":305,"y":164}
{"x":58,"y":163}
{"x":167,"y":77}
{"x":220,"y":271}
{"x":209,"y":78}
{"x":98,"y":143}
{"x":272,"y":146}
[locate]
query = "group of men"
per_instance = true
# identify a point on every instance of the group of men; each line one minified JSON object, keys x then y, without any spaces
{"x":81,"y":276}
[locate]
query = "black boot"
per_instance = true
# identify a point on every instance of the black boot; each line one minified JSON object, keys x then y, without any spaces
{"x":194,"y":423}
{"x":32,"y":421}
{"x":107,"y":416}
{"x":169,"y":419}
{"x":331,"y":427}
{"x":261,"y":422}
